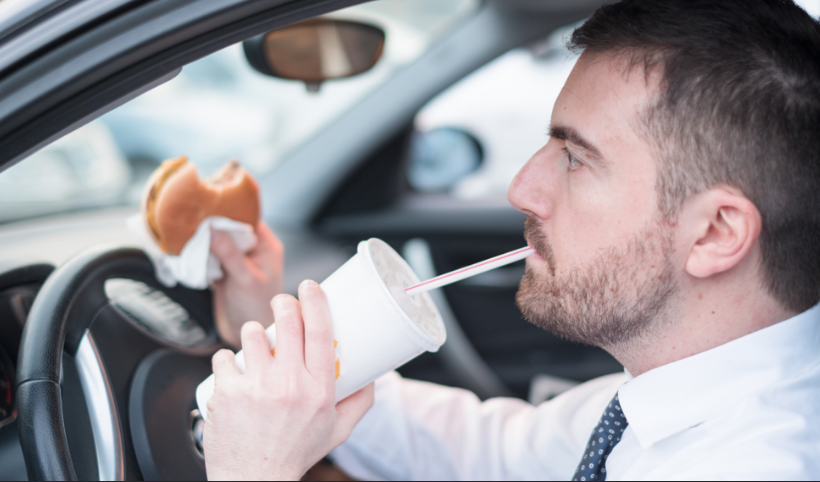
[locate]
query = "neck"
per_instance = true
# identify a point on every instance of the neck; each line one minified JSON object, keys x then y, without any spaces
{"x":706,"y":314}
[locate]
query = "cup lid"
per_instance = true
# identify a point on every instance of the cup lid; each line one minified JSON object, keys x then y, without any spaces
{"x":423,"y":321}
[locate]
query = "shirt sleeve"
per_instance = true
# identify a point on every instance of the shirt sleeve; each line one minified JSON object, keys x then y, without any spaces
{"x":421,"y":431}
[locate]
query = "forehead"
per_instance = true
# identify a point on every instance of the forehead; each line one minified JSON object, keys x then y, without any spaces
{"x":603,"y":100}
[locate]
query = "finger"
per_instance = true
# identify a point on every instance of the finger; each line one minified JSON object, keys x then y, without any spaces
{"x":269,"y":258}
{"x":224,"y":366}
{"x":269,"y":253}
{"x":320,"y":356}
{"x":231,"y":258}
{"x":268,"y":242}
{"x":290,"y":331}
{"x":255,"y":347}
{"x":226,"y":330}
{"x":350,"y":411}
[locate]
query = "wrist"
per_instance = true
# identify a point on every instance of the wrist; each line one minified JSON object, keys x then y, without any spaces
{"x":283,"y":473}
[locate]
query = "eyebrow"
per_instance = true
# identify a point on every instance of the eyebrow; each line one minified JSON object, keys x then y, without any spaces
{"x":569,"y":134}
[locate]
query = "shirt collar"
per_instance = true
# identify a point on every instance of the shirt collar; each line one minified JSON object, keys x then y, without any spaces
{"x":672,"y":398}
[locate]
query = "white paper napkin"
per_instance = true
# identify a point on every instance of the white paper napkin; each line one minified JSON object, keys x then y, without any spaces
{"x":195,"y":267}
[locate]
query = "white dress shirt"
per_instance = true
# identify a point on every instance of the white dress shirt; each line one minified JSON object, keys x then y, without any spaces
{"x":747,"y":410}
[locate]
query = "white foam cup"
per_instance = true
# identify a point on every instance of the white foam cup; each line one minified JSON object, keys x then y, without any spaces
{"x":378,"y":326}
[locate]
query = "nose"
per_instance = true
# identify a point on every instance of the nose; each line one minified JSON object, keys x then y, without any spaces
{"x":532,"y":188}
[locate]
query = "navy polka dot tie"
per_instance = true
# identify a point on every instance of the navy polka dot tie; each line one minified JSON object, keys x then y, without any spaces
{"x":604,"y":438}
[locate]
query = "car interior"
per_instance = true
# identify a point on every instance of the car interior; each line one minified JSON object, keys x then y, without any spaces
{"x":98,"y":360}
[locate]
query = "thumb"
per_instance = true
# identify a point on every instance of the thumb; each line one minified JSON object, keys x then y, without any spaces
{"x":350,"y":411}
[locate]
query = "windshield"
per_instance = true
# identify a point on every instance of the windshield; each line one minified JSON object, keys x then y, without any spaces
{"x":217,"y":109}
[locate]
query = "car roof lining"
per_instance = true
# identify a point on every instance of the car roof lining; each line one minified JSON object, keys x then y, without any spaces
{"x":56,"y":25}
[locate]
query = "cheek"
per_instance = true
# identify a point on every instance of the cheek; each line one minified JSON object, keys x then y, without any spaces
{"x":593,"y":217}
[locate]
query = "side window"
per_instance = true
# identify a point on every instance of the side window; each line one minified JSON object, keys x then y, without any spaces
{"x":473,"y":138}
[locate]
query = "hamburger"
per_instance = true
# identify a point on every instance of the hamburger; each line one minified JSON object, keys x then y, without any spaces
{"x":177,"y":200}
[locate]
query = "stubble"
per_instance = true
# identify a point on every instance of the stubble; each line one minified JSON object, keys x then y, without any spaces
{"x":618,"y":297}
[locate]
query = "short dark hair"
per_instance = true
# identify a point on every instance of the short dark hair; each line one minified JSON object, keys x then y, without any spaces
{"x":739,"y":105}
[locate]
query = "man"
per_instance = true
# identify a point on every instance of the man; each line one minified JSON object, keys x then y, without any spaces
{"x":676,"y":215}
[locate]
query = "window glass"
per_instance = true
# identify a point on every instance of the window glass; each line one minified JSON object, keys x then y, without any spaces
{"x":215,"y":110}
{"x":506,"y":107}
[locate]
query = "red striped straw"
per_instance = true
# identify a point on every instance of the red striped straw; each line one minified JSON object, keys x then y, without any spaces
{"x":470,"y":271}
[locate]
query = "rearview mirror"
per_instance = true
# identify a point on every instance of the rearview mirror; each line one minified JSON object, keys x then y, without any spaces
{"x":316,"y":51}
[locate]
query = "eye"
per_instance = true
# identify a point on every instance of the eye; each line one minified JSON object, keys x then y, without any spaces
{"x":574,"y":163}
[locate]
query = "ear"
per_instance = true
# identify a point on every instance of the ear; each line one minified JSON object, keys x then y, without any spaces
{"x":726,"y":226}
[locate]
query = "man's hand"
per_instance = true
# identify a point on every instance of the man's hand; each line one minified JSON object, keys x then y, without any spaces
{"x":279,"y":418}
{"x":251,"y":281}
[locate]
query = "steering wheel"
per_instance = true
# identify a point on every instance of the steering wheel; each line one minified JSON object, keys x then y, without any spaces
{"x":102,"y":394}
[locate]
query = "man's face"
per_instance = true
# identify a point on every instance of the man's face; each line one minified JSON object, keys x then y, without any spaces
{"x":604,"y":270}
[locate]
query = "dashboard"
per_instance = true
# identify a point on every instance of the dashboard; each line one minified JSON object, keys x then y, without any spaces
{"x":18,"y":288}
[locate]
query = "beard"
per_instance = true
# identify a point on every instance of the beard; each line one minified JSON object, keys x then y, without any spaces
{"x":619,"y":297}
